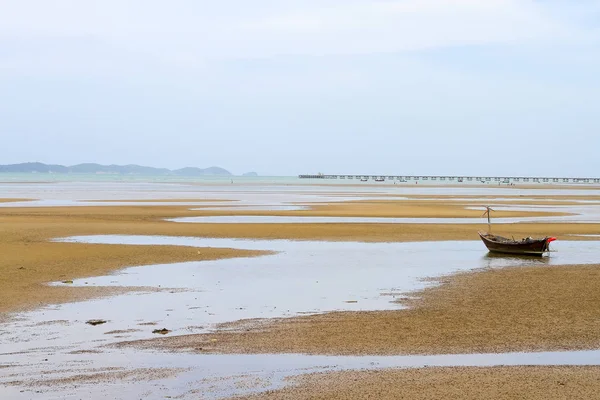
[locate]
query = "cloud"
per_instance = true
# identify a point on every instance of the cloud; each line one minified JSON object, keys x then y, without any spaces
{"x":409,"y":25}
{"x":186,"y":33}
{"x":380,"y":85}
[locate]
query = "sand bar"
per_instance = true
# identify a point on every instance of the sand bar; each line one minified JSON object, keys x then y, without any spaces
{"x":483,"y":304}
{"x":29,"y":260}
{"x":14,"y":200}
{"x":467,"y":383}
{"x":25,"y":233}
{"x":175,"y":200}
{"x":498,"y":310}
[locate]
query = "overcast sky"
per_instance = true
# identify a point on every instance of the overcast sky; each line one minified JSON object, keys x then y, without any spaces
{"x":285,"y":87}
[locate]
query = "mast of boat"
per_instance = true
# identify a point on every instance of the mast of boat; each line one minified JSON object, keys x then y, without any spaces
{"x":487,"y":212}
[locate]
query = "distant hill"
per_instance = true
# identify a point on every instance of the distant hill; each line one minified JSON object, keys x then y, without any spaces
{"x":250,"y":174}
{"x":90,"y":168}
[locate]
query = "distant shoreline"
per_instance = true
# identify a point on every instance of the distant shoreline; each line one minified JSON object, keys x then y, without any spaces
{"x":40,"y":177}
{"x":93,"y":168}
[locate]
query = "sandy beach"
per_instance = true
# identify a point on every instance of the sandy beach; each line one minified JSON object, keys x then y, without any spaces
{"x":30,"y":259}
{"x":9,"y":200}
{"x":26,"y":234}
{"x":508,"y":310}
{"x":487,"y":310}
{"x":443,"y":383}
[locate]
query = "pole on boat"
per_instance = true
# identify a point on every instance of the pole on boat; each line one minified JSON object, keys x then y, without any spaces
{"x":487,"y":212}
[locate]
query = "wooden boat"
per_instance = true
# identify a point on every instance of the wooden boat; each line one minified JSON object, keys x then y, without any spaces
{"x":526,"y":246}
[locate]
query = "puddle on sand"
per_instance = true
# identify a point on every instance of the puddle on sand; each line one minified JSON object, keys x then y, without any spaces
{"x":250,"y":207}
{"x":585,"y":235}
{"x":579,"y":214}
{"x":285,"y":192}
{"x":235,"y":201}
{"x":302,"y":277}
{"x":214,"y":376}
{"x":269,"y":219}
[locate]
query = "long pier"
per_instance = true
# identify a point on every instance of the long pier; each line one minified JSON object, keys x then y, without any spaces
{"x":454,"y":179}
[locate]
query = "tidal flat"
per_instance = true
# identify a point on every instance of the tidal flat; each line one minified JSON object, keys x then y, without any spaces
{"x":250,"y":308}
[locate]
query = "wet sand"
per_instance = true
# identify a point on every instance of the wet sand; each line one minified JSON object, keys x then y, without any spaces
{"x":468,"y":383}
{"x":438,"y":208}
{"x":530,"y":308}
{"x":350,"y":183}
{"x":190,"y":200}
{"x":482,"y":195}
{"x":104,"y":376}
{"x":13,"y":200}
{"x":30,"y":260}
{"x":493,"y":200}
{"x":420,"y":208}
{"x":142,"y":220}
{"x":497,"y":310}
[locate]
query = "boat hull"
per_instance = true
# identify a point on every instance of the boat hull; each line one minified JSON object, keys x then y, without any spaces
{"x":530,"y":247}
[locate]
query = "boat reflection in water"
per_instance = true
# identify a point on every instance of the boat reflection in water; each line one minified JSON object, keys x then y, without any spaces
{"x":501,"y":260}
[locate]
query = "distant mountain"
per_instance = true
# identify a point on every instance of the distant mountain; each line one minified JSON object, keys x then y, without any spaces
{"x":33,"y":167}
{"x":90,"y":168}
{"x":250,"y":174}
